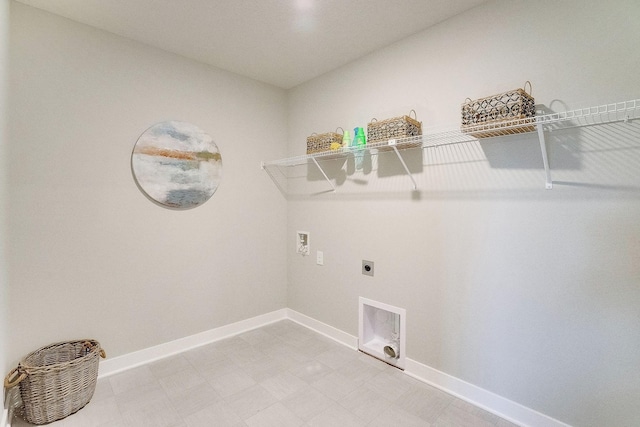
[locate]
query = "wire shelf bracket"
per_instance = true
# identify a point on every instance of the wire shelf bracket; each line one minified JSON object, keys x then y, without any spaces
{"x":392,"y":143}
{"x":333,"y":187}
{"x":545,"y":158}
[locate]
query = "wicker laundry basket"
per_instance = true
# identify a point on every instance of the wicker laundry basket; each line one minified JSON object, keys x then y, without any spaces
{"x":57,"y":380}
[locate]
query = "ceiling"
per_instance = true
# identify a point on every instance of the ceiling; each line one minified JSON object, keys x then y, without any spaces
{"x":280,"y":42}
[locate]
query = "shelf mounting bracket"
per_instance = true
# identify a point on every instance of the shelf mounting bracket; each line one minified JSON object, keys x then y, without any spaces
{"x":392,"y":143}
{"x":333,"y":187}
{"x":545,"y":158}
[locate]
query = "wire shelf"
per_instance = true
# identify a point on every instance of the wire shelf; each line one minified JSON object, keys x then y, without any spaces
{"x":439,"y":136}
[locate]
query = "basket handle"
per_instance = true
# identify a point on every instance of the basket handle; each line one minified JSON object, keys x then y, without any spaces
{"x":88,"y":347}
{"x":414,"y":113}
{"x":530,"y":88}
{"x":340,"y":127}
{"x":10,"y":381}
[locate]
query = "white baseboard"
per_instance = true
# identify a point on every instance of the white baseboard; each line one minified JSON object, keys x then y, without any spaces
{"x":491,"y":402}
{"x":4,"y":421}
{"x":118,"y":364}
{"x":323,"y":329}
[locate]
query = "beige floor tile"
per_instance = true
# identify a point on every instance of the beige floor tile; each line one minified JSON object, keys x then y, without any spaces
{"x":231,"y":383}
{"x":131,"y":379}
{"x":232,"y":346}
{"x":182,"y":380}
{"x":213,"y":370}
{"x":337,"y":356}
{"x":264,"y":368}
{"x":257,"y":336}
{"x":394,"y":416}
{"x":95,"y":414}
{"x":335,"y":385}
{"x":276,"y":415}
{"x":372,"y":361}
{"x":202,"y":356}
{"x":251,"y":401}
{"x":358,"y":371}
{"x":140,"y":397}
{"x":425,"y":403}
{"x":194,"y":399}
{"x":283,"y":385}
{"x":219,"y":414}
{"x":103,"y":390}
{"x":365,"y":404}
{"x":388,"y":385}
{"x":247,"y":356}
{"x":307,"y":403}
{"x":335,"y":416}
{"x":287,"y":353}
{"x":169,"y":366}
{"x":159,"y":413}
{"x":310,"y":371}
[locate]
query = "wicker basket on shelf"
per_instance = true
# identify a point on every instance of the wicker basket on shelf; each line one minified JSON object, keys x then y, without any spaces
{"x":320,"y":143}
{"x":502,"y":114}
{"x":394,"y":128}
{"x":57,"y":380}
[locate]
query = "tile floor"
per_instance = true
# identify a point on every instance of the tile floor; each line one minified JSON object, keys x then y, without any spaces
{"x":280,"y":375}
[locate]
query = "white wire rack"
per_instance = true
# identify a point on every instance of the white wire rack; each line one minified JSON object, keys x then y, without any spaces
{"x":438,"y":136}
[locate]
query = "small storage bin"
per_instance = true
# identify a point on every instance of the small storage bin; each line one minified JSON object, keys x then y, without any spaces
{"x":57,"y":380}
{"x":394,"y":128}
{"x":319,"y":143}
{"x":501,"y":114}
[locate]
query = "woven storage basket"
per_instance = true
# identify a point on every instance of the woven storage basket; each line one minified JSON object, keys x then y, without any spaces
{"x":506,"y":113}
{"x":57,"y":380}
{"x":397,"y":127}
{"x":322,"y":142}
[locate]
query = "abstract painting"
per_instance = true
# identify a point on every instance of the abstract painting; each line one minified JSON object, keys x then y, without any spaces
{"x":176,"y":164}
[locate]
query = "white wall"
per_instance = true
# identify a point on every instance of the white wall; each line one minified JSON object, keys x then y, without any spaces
{"x":90,"y":255}
{"x":4,"y":47}
{"x":529,"y":293}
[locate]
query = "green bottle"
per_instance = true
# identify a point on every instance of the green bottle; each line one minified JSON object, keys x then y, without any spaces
{"x":359,"y":140}
{"x":346,"y":140}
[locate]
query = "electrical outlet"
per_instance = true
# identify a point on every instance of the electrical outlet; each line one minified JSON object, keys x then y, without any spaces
{"x":367,"y":268}
{"x":320,"y":258}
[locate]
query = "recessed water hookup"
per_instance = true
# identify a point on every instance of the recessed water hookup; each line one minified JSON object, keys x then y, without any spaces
{"x":302,"y":243}
{"x":367,"y":268}
{"x":382,"y":331}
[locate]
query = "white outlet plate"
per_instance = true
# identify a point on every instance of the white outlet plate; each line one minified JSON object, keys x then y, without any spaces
{"x":320,"y":258}
{"x":367,"y":267}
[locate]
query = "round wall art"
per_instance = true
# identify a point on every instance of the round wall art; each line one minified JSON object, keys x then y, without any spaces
{"x":176,"y":164}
